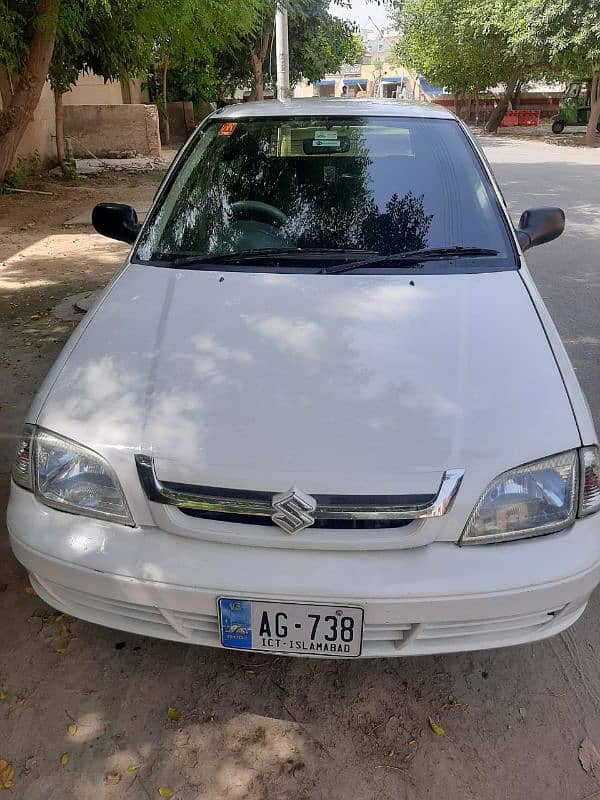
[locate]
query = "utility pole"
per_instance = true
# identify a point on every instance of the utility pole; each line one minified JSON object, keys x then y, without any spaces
{"x":283,"y":52}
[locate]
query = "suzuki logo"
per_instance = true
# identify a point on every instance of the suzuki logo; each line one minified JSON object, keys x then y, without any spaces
{"x":293,"y":510}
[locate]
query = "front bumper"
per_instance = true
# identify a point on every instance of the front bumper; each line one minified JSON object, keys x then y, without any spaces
{"x":439,"y":598}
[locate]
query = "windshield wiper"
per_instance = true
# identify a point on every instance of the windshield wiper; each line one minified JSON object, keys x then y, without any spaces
{"x":264,"y":254}
{"x":412,"y":257}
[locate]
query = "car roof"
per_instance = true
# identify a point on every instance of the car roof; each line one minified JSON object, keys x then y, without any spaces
{"x":336,"y":106}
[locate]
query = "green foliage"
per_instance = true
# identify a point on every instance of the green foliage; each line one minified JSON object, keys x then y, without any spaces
{"x":572,"y":31}
{"x":13,"y":28}
{"x":184,"y":33}
{"x":471,"y":45}
{"x":319,"y":43}
{"x":70,"y":172}
{"x":122,"y":38}
{"x":27,"y":168}
{"x":107,"y":37}
{"x":441,"y":40}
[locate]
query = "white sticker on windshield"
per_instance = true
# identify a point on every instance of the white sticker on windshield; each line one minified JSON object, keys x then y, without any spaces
{"x":329,"y":135}
{"x":326,"y":139}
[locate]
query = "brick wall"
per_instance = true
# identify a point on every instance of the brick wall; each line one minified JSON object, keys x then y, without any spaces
{"x":547,"y":105}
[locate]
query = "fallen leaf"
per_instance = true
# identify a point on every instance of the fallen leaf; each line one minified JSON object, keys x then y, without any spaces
{"x":112,"y":778}
{"x":7,"y":774}
{"x":132,"y":768}
{"x":29,"y":590}
{"x":60,"y":650}
{"x":63,"y":760}
{"x":589,"y":757}
{"x":164,"y":791}
{"x":58,"y":617}
{"x":451,"y":703}
{"x":19,"y":699}
{"x":3,"y":695}
{"x":173,"y":714}
{"x":9,"y":713}
{"x":64,"y":632}
{"x":437,"y":729}
{"x":250,"y":673}
{"x":72,"y":729}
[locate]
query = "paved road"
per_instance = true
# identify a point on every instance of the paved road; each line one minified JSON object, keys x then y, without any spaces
{"x":567,"y":271}
{"x":255,"y":728}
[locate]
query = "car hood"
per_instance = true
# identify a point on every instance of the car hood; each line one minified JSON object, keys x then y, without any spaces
{"x":341,"y":384}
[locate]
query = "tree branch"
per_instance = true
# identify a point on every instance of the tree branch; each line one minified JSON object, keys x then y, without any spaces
{"x":31,"y":80}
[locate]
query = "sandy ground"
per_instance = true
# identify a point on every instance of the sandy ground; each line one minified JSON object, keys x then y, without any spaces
{"x":251,"y":726}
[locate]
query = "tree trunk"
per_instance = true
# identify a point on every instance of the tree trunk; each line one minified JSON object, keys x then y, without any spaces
{"x":165,"y":133}
{"x":516,"y":98}
{"x":258,"y":86}
{"x":16,"y":116}
{"x":60,"y":133}
{"x":469,"y":110}
{"x":257,"y":60}
{"x":591,"y":132}
{"x":502,"y":107}
{"x":476,"y":98}
{"x":6,"y":91}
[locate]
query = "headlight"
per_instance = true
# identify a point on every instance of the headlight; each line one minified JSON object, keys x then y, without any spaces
{"x":68,"y":476}
{"x":531,"y":500}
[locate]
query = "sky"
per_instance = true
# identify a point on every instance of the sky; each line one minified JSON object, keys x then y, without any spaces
{"x":360,"y":12}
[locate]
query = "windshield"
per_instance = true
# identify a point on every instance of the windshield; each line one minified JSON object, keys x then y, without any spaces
{"x":372,"y":185}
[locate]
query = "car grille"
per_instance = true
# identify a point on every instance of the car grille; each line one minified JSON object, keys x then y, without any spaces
{"x":328,"y":524}
{"x":395,"y":638}
{"x":324,"y":510}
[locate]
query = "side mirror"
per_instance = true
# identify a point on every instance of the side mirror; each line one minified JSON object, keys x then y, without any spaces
{"x":540,"y":225}
{"x":117,"y":221}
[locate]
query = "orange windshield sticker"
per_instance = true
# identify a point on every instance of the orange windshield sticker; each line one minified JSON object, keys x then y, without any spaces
{"x":227,"y":128}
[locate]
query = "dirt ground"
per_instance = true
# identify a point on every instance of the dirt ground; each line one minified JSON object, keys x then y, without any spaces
{"x":84,"y":709}
{"x":572,"y":135}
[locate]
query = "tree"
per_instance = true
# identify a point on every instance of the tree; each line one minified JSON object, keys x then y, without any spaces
{"x":319,"y":43}
{"x":525,"y":46}
{"x":471,"y":45}
{"x":441,"y":41}
{"x":113,"y":38}
{"x":104,"y":38}
{"x":572,"y":31}
{"x":27,"y":31}
{"x":185,"y":32}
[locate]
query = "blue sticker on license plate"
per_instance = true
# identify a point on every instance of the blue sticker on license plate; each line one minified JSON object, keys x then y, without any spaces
{"x":236,"y":623}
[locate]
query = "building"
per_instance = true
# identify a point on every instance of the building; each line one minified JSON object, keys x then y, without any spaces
{"x":378,"y":75}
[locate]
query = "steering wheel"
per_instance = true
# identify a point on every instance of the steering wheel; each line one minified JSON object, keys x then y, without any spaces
{"x":277,"y":217}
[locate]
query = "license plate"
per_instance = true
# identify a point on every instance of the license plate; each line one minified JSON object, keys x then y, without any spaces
{"x":299,"y":628}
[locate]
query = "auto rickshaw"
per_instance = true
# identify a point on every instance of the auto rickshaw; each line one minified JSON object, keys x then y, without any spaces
{"x":574,"y":107}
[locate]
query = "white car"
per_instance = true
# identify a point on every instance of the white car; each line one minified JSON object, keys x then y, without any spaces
{"x":322,"y":409}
